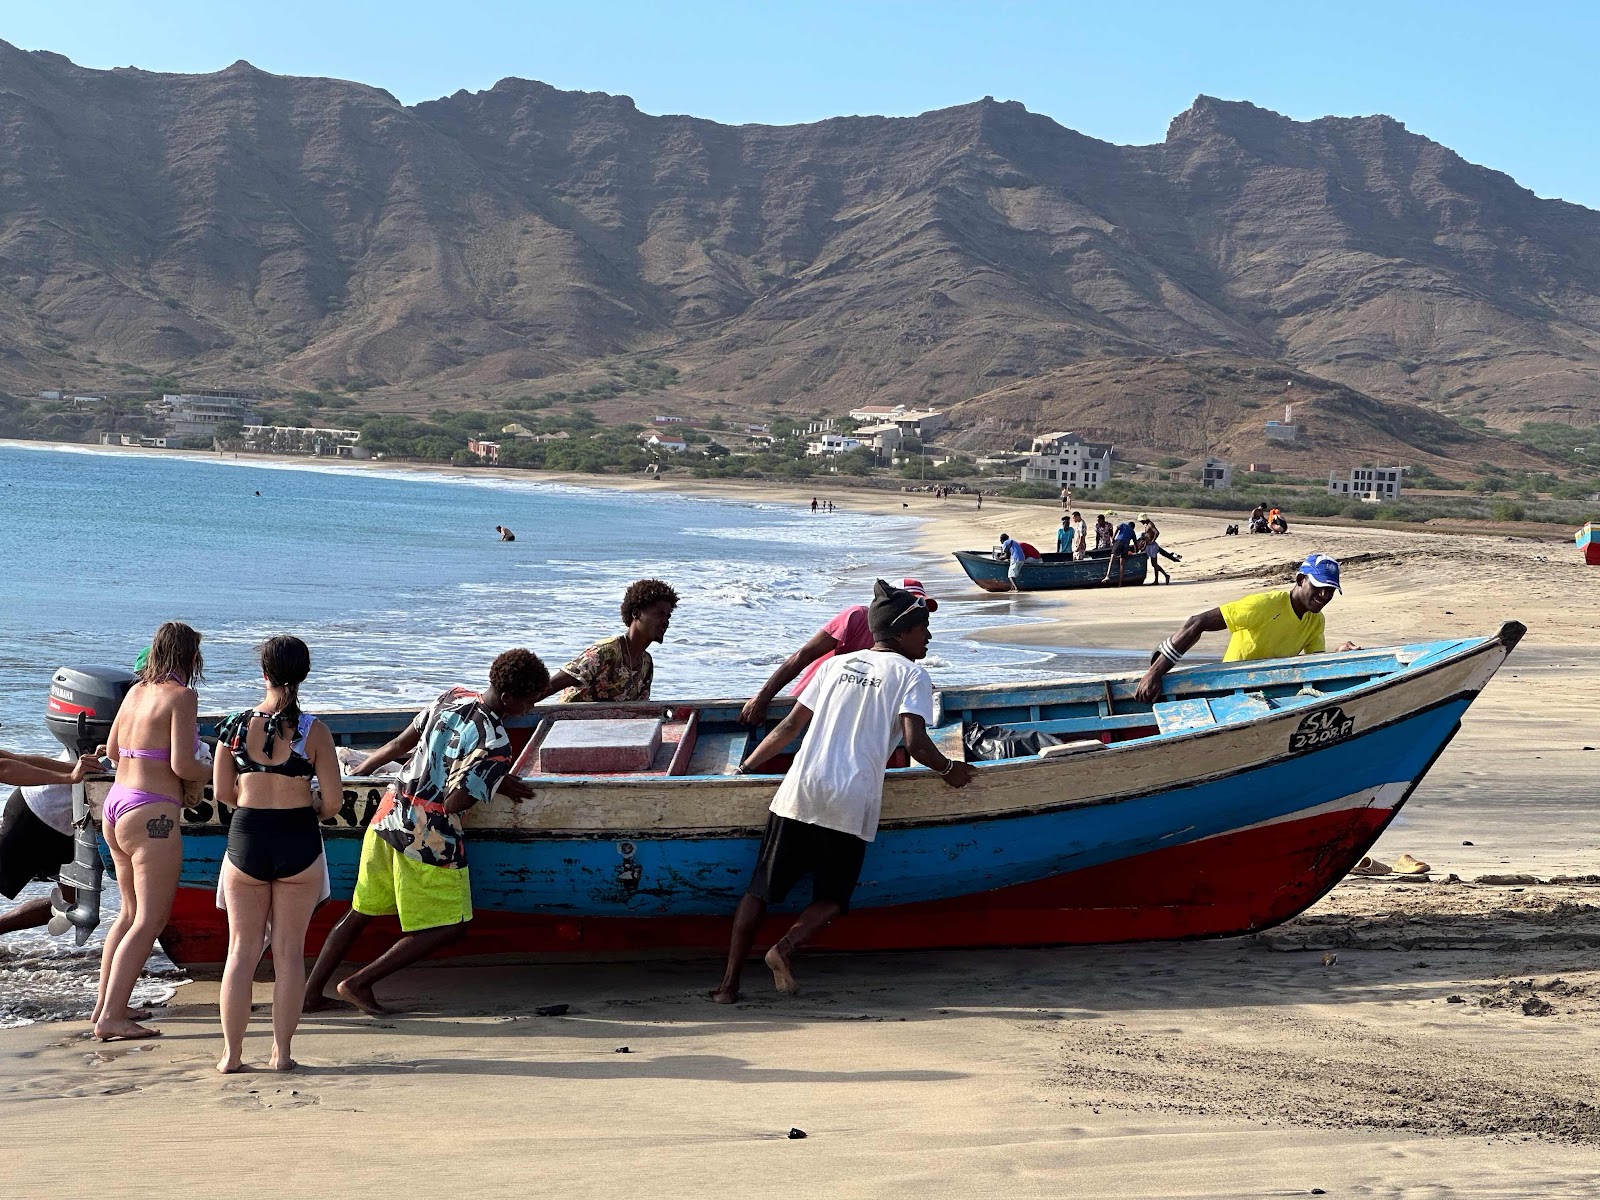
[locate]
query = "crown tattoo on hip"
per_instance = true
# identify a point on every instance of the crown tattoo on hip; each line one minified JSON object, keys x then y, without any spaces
{"x":159,"y":827}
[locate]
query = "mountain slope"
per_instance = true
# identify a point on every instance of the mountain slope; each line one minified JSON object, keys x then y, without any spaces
{"x":241,"y":227}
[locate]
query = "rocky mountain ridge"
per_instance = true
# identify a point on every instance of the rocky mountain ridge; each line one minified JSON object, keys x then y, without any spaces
{"x":241,"y":227}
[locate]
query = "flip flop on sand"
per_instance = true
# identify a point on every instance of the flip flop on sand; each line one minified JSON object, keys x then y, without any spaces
{"x":1370,"y":866}
{"x":1407,"y":865}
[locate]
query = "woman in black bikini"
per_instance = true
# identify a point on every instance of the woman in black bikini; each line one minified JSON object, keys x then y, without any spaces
{"x":274,"y":869}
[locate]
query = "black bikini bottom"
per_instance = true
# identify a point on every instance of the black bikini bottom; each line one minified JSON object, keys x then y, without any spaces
{"x":273,"y":843}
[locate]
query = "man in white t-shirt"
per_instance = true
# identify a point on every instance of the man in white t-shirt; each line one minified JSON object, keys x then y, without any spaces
{"x":857,"y":707}
{"x":846,"y":633}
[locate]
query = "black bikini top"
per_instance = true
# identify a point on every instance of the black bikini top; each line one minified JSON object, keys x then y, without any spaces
{"x":231,"y":736}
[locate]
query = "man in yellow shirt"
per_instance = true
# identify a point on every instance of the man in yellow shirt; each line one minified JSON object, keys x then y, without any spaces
{"x":1277,"y":624}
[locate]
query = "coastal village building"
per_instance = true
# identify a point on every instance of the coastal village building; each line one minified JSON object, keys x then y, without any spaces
{"x":1216,"y":474}
{"x":522,"y":433}
{"x":198,"y":414}
{"x":669,"y":443}
{"x":831,"y":444}
{"x":919,"y":423}
{"x":1285,"y":430}
{"x":486,"y":450}
{"x":1065,"y":458}
{"x":1367,"y":483}
{"x":303,"y":439}
{"x":885,"y":440}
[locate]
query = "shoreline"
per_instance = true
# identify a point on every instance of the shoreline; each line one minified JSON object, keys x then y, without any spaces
{"x":1399,"y":1037}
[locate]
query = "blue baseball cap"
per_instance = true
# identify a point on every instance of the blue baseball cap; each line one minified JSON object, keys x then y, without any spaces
{"x":1322,"y":570}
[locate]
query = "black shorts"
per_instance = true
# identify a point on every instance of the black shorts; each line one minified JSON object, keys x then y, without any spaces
{"x":29,"y":849}
{"x":273,"y":843}
{"x":791,"y":849}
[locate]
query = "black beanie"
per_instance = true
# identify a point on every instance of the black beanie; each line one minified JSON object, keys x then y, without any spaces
{"x":894,"y":610}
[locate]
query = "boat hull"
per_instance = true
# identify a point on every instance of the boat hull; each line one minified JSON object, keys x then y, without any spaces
{"x":1224,"y":831}
{"x":1051,"y":573}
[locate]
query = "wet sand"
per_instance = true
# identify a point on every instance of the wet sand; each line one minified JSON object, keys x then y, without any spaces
{"x":1400,"y":1039}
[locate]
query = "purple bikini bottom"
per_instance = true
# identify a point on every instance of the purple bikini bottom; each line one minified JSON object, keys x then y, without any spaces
{"x":123,"y":799}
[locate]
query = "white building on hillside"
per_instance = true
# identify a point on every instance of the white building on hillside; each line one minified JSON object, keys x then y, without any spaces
{"x":1367,"y":483}
{"x":832,"y":443}
{"x":919,"y":423}
{"x":1065,"y":458}
{"x":197,"y":414}
{"x":884,"y":439}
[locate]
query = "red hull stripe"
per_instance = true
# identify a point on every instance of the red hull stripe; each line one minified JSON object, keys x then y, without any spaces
{"x":1230,"y":884}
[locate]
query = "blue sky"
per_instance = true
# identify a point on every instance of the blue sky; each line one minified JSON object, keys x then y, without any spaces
{"x":1511,"y":86}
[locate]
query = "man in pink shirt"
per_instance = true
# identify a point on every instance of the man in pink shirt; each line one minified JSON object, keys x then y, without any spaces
{"x":846,"y":633}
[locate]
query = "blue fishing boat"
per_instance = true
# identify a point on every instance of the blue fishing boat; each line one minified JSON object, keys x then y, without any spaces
{"x":1050,"y":572}
{"x":1230,"y":804}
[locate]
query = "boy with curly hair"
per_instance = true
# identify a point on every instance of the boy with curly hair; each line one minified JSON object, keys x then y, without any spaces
{"x":621,"y":668}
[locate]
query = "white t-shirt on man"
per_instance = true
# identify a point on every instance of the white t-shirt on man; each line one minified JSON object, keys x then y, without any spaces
{"x":52,"y":802}
{"x":837,"y":777}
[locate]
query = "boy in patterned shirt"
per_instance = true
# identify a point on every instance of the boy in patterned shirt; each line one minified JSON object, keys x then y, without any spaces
{"x":413,"y":855}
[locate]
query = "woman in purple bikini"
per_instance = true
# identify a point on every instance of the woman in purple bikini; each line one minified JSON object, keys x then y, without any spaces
{"x":154,"y":743}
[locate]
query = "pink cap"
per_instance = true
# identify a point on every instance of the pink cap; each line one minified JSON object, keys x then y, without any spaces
{"x":914,"y":586}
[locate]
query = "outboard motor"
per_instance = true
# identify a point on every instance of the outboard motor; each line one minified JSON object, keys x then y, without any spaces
{"x":83,"y":703}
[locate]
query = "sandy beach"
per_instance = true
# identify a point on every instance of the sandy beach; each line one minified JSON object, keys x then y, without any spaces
{"x":1417,"y":1039}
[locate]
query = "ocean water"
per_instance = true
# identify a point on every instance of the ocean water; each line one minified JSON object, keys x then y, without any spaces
{"x":397,"y":582}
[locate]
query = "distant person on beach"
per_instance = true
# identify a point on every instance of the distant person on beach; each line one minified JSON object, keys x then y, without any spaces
{"x":414,"y":853}
{"x":1102,"y":531}
{"x":505,"y":534}
{"x":846,"y":633}
{"x":1066,"y":497}
{"x":1065,"y":535}
{"x":980,"y":501}
{"x":1150,"y":545}
{"x":1080,"y":543}
{"x":1276,"y":522}
{"x":36,"y":829}
{"x":154,"y":743}
{"x":1258,"y":519}
{"x":826,"y":809}
{"x":621,"y":668}
{"x":813,"y":504}
{"x":1275,"y":624}
{"x":274,"y":874}
{"x":1121,"y":546}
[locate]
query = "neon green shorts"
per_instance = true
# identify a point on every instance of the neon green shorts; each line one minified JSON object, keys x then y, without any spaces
{"x":422,"y":896}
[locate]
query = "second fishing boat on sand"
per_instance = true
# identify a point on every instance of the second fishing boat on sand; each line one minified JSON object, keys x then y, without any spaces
{"x":1051,"y":572}
{"x":1229,"y":805}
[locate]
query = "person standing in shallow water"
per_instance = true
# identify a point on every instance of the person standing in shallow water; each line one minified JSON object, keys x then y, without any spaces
{"x":414,"y":853}
{"x":852,"y":712}
{"x":274,"y":875}
{"x":621,"y":668}
{"x":154,"y":742}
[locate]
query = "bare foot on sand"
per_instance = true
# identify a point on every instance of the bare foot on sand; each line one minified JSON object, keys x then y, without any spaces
{"x":362,"y":998}
{"x":725,"y":995}
{"x":282,"y":1064}
{"x":782,"y":975}
{"x":106,"y":1030}
{"x":317,"y":1002}
{"x":139,"y":1014}
{"x":228,"y":1066}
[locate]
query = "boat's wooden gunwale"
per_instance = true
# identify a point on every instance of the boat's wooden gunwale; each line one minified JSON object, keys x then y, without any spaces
{"x":703,"y":806}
